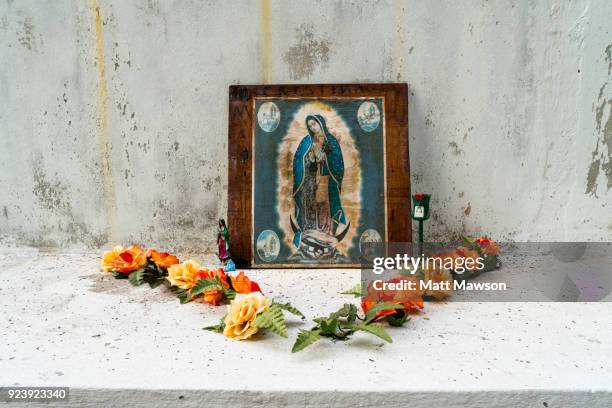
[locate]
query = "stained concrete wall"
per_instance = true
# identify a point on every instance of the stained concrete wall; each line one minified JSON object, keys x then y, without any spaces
{"x":113,"y":114}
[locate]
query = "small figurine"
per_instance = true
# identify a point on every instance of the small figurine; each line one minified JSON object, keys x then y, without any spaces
{"x":223,"y":244}
{"x":420,"y":213}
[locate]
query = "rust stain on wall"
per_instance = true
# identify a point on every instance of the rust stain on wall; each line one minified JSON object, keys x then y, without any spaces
{"x":105,"y":161}
{"x":468,"y":209}
{"x":266,"y":42}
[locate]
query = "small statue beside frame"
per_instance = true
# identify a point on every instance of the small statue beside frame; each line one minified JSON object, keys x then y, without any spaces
{"x":223,"y":245}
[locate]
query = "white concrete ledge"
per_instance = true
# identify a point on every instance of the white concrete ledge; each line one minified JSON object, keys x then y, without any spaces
{"x":246,"y":399}
{"x":62,"y":323}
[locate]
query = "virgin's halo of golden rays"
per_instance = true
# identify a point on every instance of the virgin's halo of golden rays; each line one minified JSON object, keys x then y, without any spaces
{"x":351,"y":184}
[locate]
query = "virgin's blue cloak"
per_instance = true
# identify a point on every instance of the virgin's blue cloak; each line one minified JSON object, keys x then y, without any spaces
{"x":334,"y":168}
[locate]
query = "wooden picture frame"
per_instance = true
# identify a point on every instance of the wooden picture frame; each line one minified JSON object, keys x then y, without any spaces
{"x":392,"y":98}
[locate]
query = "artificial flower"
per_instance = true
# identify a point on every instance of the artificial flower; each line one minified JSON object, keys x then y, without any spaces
{"x":457,"y":259}
{"x":163,"y":259}
{"x":408,"y":289}
{"x":438,"y":275}
{"x":409,"y":307}
{"x":241,"y":313}
{"x":213,"y":296}
{"x":184,"y":275}
{"x":124,"y":260}
{"x":108,"y":259}
{"x":487,"y":246}
{"x":242,"y":284}
{"x":205,"y":273}
{"x":411,"y":300}
{"x":467,"y":254}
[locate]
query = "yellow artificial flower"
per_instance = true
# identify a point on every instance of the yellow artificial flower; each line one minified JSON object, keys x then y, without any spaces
{"x":241,"y":313}
{"x":183,"y":275}
{"x":108,"y":259}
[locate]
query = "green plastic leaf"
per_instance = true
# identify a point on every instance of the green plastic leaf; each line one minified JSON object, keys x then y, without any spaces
{"x":218,"y":328}
{"x":342,"y":312}
{"x":328,"y":326}
{"x":471,"y":243}
{"x":288,"y":307}
{"x":203,"y":285}
{"x":183,"y":296}
{"x":119,"y":275}
{"x":355,"y":291}
{"x":136,"y":278}
{"x":352,"y":313}
{"x":155,"y":282}
{"x":272,"y":319}
{"x":397,"y":321}
{"x":304,"y":339}
{"x":380,"y":307}
{"x":374,"y":329}
{"x":491,"y":262}
{"x":348,"y":310}
{"x":468,"y":240}
{"x":229,"y":294}
{"x":345,"y":311}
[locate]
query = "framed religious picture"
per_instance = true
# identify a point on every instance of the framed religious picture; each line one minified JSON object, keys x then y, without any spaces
{"x":316,"y":173}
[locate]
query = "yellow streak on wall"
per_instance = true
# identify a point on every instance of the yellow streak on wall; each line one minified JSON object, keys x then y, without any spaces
{"x":265,"y":41}
{"x":110,"y":202}
{"x":399,"y":44}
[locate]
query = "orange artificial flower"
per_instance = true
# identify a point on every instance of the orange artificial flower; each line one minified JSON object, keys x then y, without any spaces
{"x":456,"y":258}
{"x":124,"y":260}
{"x":213,"y":296}
{"x":409,"y":307}
{"x":163,"y":259}
{"x":411,"y":300}
{"x":466,"y":253}
{"x":216,"y":273}
{"x":242,"y":284}
{"x":401,"y":293}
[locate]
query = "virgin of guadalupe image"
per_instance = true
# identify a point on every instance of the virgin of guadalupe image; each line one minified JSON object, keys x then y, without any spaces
{"x":318,"y":222}
{"x":223,"y":241}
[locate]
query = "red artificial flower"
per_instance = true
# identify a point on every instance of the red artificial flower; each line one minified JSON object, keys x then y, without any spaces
{"x":420,"y":196}
{"x":487,"y":246}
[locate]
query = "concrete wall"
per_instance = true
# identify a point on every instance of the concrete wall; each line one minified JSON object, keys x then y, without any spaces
{"x":113,"y":114}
